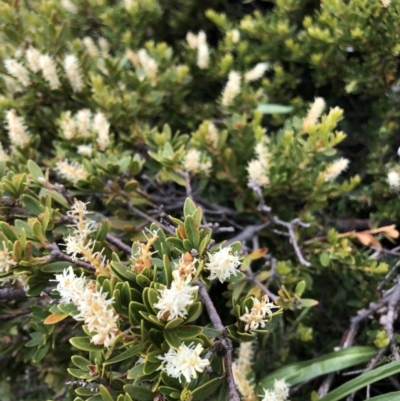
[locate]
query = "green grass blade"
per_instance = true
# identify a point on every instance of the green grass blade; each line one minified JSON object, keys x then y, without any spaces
{"x":362,"y":381}
{"x":298,"y":372}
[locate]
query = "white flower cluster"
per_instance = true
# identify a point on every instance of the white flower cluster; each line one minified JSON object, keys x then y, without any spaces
{"x":18,"y":71}
{"x":212,"y":135}
{"x":93,"y":306}
{"x":71,"y":171}
{"x":335,"y":169}
{"x":393,"y":179}
{"x":73,"y":72}
{"x":258,"y":314}
{"x":17,"y":131}
{"x":37,"y":62}
{"x":149,"y":66}
{"x":258,"y":168}
{"x":222,"y":264}
{"x":84,"y":125}
{"x":196,"y":162}
{"x":257,"y":72}
{"x":232,"y":88}
{"x":199,"y":42}
{"x":69,"y":6}
{"x":314,"y":113}
{"x":172,"y":302}
{"x":185,"y":361}
{"x":90,"y":46}
{"x":49,"y":71}
{"x":241,"y":369}
{"x":7,"y":261}
{"x":279,"y":393}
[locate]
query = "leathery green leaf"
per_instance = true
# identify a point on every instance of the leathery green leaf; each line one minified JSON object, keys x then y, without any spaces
{"x":206,"y":389}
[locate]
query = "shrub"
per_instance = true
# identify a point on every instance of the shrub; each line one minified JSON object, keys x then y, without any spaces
{"x":157,"y":155}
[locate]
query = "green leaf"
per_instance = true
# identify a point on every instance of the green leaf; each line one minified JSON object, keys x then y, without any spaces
{"x":80,"y":362}
{"x":129,"y":353}
{"x":298,"y":372}
{"x":192,"y":231}
{"x":300,"y":287}
{"x":206,"y":389}
{"x":188,"y":332}
{"x":362,"y":381}
{"x":136,"y":371}
{"x":189,"y":208}
{"x":140,"y":393}
{"x":84,"y":344}
{"x":105,"y":395}
{"x":324,"y":259}
{"x":272,"y":108}
{"x":8,"y":231}
{"x":32,"y":204}
{"x":35,"y":171}
{"x":55,"y":267}
{"x":172,"y":339}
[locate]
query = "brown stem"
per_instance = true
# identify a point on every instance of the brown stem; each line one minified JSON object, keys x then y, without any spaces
{"x":226,"y":343}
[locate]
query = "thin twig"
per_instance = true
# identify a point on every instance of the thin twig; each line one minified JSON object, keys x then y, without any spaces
{"x":118,"y":243}
{"x":12,"y":294}
{"x":56,"y":254}
{"x":135,"y":210}
{"x":226,"y":343}
{"x":288,"y":225}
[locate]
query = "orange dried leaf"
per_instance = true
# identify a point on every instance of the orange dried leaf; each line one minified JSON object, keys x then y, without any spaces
{"x":55,"y":318}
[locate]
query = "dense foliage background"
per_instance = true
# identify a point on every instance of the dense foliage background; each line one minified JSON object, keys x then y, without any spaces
{"x":279,"y":119}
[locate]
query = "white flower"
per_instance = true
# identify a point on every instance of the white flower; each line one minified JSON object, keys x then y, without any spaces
{"x":281,"y":389}
{"x":393,"y":178}
{"x":257,"y":173}
{"x":32,"y":56}
{"x":99,"y":316}
{"x":269,"y":395}
{"x":69,"y":6}
{"x":263,"y":154}
{"x":235,"y":35}
{"x":314,"y":113}
{"x":195,"y":162}
{"x":257,"y":72}
{"x":192,"y":40}
{"x":49,"y":71}
{"x":17,"y":131}
{"x":68,"y":126}
{"x":3,"y":155}
{"x":84,"y":123}
{"x":232,"y":88}
{"x":91,"y":47}
{"x":386,"y":3}
{"x":149,"y":65}
{"x":70,"y":286}
{"x":172,"y":302}
{"x":7,"y":262}
{"x":104,"y":46}
{"x":12,"y":85}
{"x":212,"y":135}
{"x":241,"y":369}
{"x":257,"y":316}
{"x":222,"y":264}
{"x":71,"y":171}
{"x":73,"y":72}
{"x":335,"y":169}
{"x":102,"y":127}
{"x":203,"y":52}
{"x":18,"y":71}
{"x":94,"y":308}
{"x":185,"y":361}
{"x":85,"y":150}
